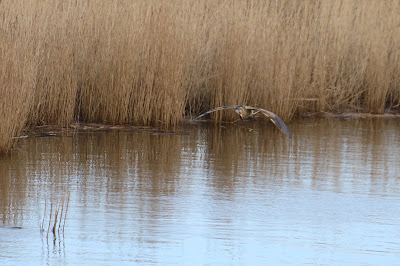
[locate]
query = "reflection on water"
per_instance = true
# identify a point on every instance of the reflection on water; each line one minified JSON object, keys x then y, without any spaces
{"x":231,"y":194}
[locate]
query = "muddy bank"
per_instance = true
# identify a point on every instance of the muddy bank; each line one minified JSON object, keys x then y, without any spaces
{"x":55,"y":130}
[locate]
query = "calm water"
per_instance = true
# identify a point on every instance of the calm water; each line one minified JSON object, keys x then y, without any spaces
{"x":239,"y":194}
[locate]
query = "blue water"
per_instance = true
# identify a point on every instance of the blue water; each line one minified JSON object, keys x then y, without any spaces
{"x":240,"y":194}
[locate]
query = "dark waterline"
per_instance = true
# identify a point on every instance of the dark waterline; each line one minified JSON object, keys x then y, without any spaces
{"x":230,"y":194}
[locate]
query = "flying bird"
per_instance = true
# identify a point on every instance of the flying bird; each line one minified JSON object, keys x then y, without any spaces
{"x":246,"y":111}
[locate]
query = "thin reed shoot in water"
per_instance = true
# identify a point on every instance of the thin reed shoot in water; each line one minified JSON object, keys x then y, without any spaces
{"x":56,"y":218}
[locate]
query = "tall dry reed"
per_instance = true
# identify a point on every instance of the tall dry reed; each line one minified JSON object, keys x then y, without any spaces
{"x":153,"y":62}
{"x":18,"y":68}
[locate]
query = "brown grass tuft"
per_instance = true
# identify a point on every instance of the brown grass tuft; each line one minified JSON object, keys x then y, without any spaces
{"x":60,"y":215}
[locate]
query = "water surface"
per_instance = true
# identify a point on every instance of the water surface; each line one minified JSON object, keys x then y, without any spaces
{"x":214,"y":194}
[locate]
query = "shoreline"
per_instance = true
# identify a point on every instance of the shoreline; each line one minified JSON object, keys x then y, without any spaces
{"x":80,"y":127}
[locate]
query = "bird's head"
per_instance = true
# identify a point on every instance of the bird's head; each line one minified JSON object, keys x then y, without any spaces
{"x":240,"y":111}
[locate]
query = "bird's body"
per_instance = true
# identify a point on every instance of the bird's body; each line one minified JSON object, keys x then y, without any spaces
{"x":245,"y":111}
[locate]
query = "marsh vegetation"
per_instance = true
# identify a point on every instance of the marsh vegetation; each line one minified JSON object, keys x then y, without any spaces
{"x":155,"y":62}
{"x":57,"y":215}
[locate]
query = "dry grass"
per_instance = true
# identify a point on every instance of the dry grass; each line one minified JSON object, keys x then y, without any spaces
{"x":153,"y":62}
{"x":59,"y":215}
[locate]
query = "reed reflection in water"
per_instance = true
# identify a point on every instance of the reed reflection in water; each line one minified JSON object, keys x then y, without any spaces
{"x":233,"y":194}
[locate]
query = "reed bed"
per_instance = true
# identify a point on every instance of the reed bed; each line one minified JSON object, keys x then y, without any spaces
{"x":154,"y":62}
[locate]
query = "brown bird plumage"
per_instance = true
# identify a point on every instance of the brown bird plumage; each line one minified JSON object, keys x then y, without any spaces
{"x":246,"y":111}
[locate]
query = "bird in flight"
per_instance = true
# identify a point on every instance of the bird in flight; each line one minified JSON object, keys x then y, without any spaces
{"x":246,"y":111}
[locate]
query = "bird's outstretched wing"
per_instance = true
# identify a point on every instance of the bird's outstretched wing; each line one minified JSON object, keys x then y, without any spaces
{"x":274,"y":118}
{"x":213,"y":110}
